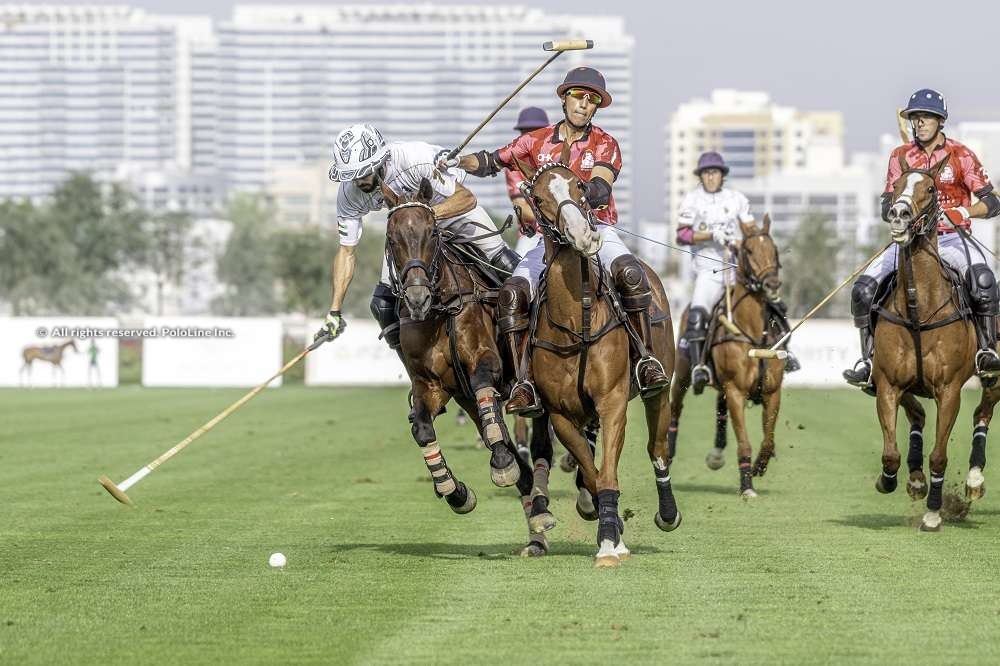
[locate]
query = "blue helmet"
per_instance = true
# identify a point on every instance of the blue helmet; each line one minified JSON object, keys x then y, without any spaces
{"x":926,"y":100}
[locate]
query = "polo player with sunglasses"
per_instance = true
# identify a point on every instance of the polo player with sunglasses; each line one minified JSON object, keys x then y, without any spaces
{"x":593,"y":155}
{"x":962,"y":177}
{"x":364,"y":164}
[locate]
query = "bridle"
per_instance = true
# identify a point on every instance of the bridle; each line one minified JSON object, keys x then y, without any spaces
{"x":430,"y":275}
{"x":551,"y":227}
{"x":753,"y":281}
{"x":928,"y":215}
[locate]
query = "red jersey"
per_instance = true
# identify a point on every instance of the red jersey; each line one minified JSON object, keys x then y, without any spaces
{"x":595,"y":148}
{"x":962,"y":177}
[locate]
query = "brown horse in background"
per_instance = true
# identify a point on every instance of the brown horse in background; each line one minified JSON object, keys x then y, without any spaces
{"x":449,"y":347}
{"x":580,"y":353}
{"x":746,"y":324}
{"x":50,"y":354}
{"x":924,"y":342}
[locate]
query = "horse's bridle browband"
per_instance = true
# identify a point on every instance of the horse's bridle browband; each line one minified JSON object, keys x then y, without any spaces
{"x":754,"y":282}
{"x":551,"y":227}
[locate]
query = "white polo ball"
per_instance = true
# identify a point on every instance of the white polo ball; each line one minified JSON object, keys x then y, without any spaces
{"x":277,"y":560}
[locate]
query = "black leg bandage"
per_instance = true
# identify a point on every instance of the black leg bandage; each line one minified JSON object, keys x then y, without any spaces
{"x":915,"y":457}
{"x":609,"y":525}
{"x":934,"y":497}
{"x":978,"y":456}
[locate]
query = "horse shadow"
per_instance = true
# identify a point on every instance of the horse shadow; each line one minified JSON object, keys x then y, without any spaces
{"x":490,"y":551}
{"x":892,"y":521}
{"x":717,"y":488}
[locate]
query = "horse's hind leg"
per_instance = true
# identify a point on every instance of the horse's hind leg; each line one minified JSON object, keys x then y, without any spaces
{"x":769,"y":417}
{"x":975,"y":482}
{"x":521,"y":436}
{"x":536,"y":503}
{"x":948,"y":402}
{"x":887,"y":406}
{"x":667,"y":516}
{"x":577,"y":444}
{"x":735,"y":401}
{"x":586,"y":505}
{"x":506,"y":466}
{"x":678,"y":389}
{"x":427,"y":402}
{"x":916,"y":485}
{"x":716,"y":458}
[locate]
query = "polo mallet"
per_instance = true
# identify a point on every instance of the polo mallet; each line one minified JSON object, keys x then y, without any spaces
{"x":727,"y":319}
{"x":773,"y":351}
{"x":559,"y":48}
{"x":118,"y":492}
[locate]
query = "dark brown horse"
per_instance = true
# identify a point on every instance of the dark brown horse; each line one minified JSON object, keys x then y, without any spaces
{"x":50,"y":354}
{"x":448,"y":343}
{"x":581,"y":358}
{"x":924,"y":343}
{"x":743,"y":321}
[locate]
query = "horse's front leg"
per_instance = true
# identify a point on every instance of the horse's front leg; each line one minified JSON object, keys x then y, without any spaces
{"x":427,"y":402}
{"x":716,"y":458}
{"x":916,"y":485}
{"x":506,"y":467}
{"x":887,"y":406}
{"x":769,"y":417}
{"x":975,"y":482}
{"x":611,"y":548}
{"x":948,"y":403}
{"x":678,"y":389}
{"x":667,"y":516}
{"x":735,"y":400}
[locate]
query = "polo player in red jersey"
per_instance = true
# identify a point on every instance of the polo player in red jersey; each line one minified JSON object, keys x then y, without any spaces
{"x":962,"y":177}
{"x":593,"y":155}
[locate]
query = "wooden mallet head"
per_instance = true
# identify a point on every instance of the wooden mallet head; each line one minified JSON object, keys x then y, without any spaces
{"x":569,"y":45}
{"x":115,"y":491}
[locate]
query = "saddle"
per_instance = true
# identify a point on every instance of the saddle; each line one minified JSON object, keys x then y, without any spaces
{"x":888,"y":285}
{"x":772,"y":333}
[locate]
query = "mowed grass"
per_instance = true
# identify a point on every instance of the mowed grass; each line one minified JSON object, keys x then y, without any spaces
{"x":819,"y":569}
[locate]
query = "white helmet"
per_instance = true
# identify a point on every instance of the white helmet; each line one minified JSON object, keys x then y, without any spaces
{"x":357,"y":152}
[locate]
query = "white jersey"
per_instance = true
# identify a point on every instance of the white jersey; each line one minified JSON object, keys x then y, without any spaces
{"x":702,"y":211}
{"x":409,"y":162}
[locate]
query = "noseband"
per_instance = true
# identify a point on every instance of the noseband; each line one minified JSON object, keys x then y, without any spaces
{"x":551,"y":227}
{"x":429,"y":278}
{"x":754,"y":282}
{"x":924,"y":220}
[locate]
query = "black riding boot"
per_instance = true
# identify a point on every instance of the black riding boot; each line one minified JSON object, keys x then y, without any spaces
{"x":636,"y":297}
{"x":514,"y":300}
{"x":695,"y":335}
{"x":982,"y":287}
{"x":780,"y":314}
{"x":862,"y":299}
{"x":385,"y":308}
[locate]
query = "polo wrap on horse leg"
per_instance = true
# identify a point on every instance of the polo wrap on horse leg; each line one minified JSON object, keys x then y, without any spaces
{"x":494,"y":428}
{"x":444,"y":482}
{"x":609,"y":525}
{"x":385,"y":311}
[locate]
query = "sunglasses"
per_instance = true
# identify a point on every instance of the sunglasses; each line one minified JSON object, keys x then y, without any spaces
{"x":585,"y":95}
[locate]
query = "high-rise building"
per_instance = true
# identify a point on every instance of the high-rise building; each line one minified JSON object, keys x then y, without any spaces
{"x":281,"y":81}
{"x":90,"y":88}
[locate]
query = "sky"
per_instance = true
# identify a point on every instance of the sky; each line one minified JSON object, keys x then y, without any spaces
{"x":863,"y":58}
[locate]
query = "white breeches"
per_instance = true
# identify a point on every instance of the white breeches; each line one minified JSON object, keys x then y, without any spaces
{"x":950,"y":247}
{"x":533,"y":262}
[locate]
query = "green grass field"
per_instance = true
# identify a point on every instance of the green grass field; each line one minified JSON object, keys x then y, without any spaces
{"x":819,"y":569}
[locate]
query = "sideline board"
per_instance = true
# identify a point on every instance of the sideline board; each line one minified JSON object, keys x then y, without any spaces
{"x":63,"y":352}
{"x":356,"y":358}
{"x":211,"y":351}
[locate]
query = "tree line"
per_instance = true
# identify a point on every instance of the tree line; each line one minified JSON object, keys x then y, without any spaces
{"x":78,"y":252}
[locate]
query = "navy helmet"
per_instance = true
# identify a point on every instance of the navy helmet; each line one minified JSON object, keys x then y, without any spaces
{"x":926,"y":100}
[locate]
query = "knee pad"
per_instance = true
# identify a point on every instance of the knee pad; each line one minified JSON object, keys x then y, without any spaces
{"x":697,"y":324}
{"x":514,"y":298}
{"x":983,"y":289}
{"x":862,"y":298}
{"x":631,"y":282}
{"x":384,"y":309}
{"x":506,"y":260}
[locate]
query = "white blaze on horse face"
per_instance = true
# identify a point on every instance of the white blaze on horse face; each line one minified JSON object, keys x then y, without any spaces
{"x":899,"y":228}
{"x":575,"y":224}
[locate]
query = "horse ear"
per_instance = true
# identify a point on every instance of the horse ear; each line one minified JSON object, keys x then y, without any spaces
{"x":767,"y":223}
{"x":391,"y":198}
{"x":524,"y":168}
{"x":426,"y":192}
{"x":746,"y":227}
{"x":903,"y":164}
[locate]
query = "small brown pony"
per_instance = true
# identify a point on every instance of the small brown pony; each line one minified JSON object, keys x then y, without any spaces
{"x":581,"y":359}
{"x":924,"y":343}
{"x":50,"y":354}
{"x":738,"y":377}
{"x":448,"y":343}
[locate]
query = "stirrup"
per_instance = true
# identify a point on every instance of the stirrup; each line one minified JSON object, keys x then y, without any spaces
{"x":792,"y":363}
{"x":531,"y":411}
{"x":655,"y":361}
{"x":850,"y":375}
{"x":985,"y":354}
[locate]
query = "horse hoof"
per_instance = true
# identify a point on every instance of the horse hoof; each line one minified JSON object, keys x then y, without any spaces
{"x":931,"y":522}
{"x":917,"y":490}
{"x":567,"y":463}
{"x":715,"y":459}
{"x":607,"y":555}
{"x":535,"y":549}
{"x":459,"y":506}
{"x":664,"y":525}
{"x":885,"y":485}
{"x":622,"y":552}
{"x":503,"y":467}
{"x":975,"y":484}
{"x":748,"y":494}
{"x":543,"y":522}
